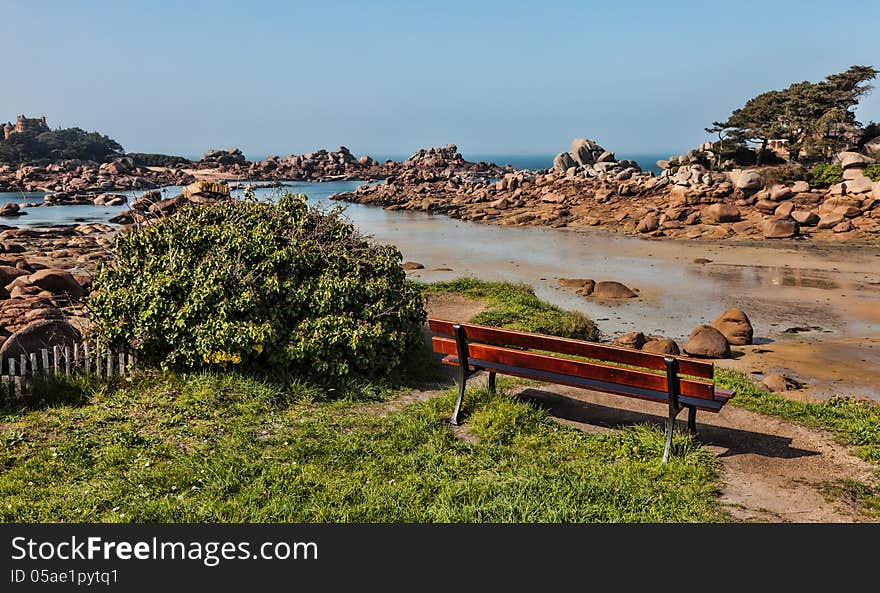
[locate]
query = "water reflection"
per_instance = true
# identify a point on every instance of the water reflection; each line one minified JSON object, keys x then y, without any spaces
{"x":769,"y":276}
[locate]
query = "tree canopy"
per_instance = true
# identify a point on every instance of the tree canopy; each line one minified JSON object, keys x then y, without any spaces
{"x":68,"y":143}
{"x":816,"y":119}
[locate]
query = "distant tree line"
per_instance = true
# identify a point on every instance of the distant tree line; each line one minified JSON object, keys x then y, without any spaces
{"x":69,"y":143}
{"x":149,"y":159}
{"x":816,"y":120}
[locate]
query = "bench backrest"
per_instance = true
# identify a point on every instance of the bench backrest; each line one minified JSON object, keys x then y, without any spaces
{"x":503,"y":351}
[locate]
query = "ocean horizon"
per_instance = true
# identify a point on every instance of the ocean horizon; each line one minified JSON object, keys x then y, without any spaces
{"x":533,"y":162}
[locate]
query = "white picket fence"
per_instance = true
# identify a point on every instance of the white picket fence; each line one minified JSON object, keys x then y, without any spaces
{"x":84,"y":357}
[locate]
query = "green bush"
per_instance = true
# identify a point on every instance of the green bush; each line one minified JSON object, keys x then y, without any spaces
{"x":825,"y":175}
{"x":873,"y":172}
{"x":786,"y":174}
{"x":285,"y":287}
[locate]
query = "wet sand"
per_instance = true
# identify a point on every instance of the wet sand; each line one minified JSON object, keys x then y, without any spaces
{"x":815,"y":309}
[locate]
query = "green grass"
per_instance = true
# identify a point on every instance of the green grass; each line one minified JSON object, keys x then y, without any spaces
{"x":853,"y":422}
{"x":515,"y":306}
{"x":223,"y":447}
{"x":862,"y":496}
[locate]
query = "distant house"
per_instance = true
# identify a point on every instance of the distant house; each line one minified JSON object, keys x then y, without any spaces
{"x":25,"y":124}
{"x":780,"y":147}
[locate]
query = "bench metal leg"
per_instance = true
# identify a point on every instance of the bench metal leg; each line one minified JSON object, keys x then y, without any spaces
{"x":692,"y":420}
{"x":464,"y":371}
{"x":492,"y":381}
{"x":455,"y":421}
{"x":674,"y":408}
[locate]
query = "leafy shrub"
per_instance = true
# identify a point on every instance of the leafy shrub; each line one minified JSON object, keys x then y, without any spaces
{"x":825,"y":175}
{"x":250,"y":283}
{"x":873,"y":172}
{"x":785,"y":174}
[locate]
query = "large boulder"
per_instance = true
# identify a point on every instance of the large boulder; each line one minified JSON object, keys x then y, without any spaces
{"x":648,"y":224}
{"x":854,"y":160}
{"x":610,"y":289}
{"x":582,"y":151}
{"x":748,"y":180}
{"x":805,"y":217}
{"x":10,"y":273}
{"x":146,"y":200}
{"x":721,"y":212}
{"x":10,"y":209}
{"x":56,"y":281}
{"x":562,"y":162}
{"x":707,"y":342}
{"x":777,"y":228}
{"x":205,"y":191}
{"x":859,"y":185}
{"x":734,"y":324}
{"x":39,"y":334}
{"x":662,"y":346}
{"x":633,"y":340}
{"x":799,"y":187}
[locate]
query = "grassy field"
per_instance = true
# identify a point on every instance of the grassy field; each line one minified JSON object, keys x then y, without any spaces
{"x":223,"y":447}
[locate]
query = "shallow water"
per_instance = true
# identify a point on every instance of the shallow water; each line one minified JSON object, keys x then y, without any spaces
{"x":834,"y":294}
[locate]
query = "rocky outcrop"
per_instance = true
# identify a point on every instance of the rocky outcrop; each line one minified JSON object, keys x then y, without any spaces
{"x":587,"y":159}
{"x":229,"y":157}
{"x":43,"y":281}
{"x":686,"y":201}
{"x":80,"y":182}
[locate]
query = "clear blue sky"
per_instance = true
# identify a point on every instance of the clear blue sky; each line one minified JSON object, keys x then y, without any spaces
{"x":391,"y":76}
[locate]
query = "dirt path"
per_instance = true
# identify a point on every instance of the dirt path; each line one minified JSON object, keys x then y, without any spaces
{"x":772,"y":470}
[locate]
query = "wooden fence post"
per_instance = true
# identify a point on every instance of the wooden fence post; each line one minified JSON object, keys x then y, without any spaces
{"x":11,"y":363}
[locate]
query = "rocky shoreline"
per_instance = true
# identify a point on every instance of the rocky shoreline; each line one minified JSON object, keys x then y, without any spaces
{"x":588,"y":187}
{"x":71,"y":182}
{"x":691,"y":199}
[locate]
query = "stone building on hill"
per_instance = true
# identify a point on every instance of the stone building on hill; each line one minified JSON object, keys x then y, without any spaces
{"x":25,"y":124}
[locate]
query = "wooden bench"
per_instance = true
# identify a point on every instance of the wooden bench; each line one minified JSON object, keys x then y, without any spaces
{"x":682,"y":382}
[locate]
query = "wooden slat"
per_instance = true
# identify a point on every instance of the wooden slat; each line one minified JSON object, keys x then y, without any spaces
{"x":507,"y":337}
{"x":575,"y":368}
{"x":591,"y":384}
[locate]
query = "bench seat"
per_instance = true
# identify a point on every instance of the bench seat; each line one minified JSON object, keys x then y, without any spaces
{"x":675,"y":381}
